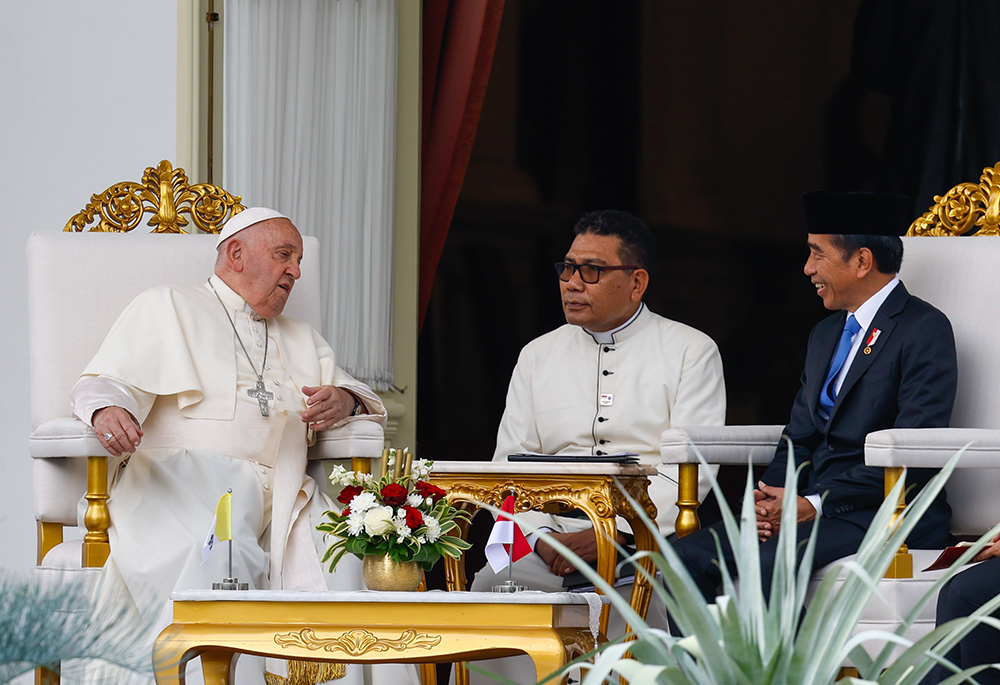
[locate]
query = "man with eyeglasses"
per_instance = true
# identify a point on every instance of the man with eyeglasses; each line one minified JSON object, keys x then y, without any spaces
{"x":609,"y":381}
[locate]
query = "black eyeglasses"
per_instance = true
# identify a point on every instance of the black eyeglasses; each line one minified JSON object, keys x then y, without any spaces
{"x":589,"y":273}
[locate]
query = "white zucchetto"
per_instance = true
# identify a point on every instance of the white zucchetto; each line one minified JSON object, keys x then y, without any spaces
{"x":245,"y":219}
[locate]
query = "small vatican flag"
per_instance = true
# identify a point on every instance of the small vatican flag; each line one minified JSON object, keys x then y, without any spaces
{"x":222,"y":525}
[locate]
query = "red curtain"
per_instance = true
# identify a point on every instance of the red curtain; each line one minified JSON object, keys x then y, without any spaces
{"x":459,"y":37}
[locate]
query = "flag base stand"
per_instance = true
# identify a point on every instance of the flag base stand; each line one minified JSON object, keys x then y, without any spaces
{"x":230,"y":584}
{"x":509,"y":586}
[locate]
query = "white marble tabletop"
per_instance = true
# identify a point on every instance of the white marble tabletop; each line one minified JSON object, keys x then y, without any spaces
{"x":436,"y":596}
{"x":591,"y":599}
{"x":501,"y":468}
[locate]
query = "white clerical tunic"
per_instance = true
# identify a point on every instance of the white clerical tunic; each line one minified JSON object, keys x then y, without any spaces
{"x":570,"y":394}
{"x":175,"y":362}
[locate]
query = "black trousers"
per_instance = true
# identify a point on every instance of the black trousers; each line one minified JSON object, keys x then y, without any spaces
{"x":959,"y":597}
{"x":836,"y":539}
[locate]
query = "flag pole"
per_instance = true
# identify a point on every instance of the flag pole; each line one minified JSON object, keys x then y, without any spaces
{"x":229,"y":582}
{"x":510,"y":565}
{"x":509,"y":585}
{"x":230,"y":540}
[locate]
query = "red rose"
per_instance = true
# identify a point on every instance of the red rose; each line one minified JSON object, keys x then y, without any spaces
{"x":346,"y":512}
{"x":428,"y":490}
{"x":413,"y":517}
{"x":348,"y":493}
{"x":393,"y":494}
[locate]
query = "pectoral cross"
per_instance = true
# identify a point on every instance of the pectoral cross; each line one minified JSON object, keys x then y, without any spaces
{"x":262,"y":396}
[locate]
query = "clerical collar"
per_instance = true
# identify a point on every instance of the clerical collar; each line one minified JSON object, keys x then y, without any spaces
{"x":231,"y":298}
{"x":608,"y":337}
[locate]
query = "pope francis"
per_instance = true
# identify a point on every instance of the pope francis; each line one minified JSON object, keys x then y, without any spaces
{"x":201,"y":389}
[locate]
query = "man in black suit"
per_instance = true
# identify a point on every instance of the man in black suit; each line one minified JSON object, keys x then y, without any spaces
{"x":961,"y":596}
{"x":884,"y":360}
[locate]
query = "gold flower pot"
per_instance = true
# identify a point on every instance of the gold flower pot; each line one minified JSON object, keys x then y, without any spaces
{"x":380,"y":572}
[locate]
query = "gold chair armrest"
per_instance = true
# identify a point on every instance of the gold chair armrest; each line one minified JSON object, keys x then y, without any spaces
{"x":50,"y":534}
{"x":902,"y":563}
{"x":361,"y":464}
{"x":687,"y":500}
{"x":97,"y":519}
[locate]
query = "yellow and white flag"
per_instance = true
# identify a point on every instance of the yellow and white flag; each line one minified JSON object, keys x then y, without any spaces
{"x":222,"y":525}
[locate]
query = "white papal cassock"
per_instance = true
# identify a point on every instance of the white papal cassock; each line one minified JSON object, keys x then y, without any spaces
{"x":174,"y":361}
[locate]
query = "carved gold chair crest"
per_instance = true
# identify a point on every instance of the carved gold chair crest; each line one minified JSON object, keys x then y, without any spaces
{"x":165,"y":194}
{"x":966,"y":209}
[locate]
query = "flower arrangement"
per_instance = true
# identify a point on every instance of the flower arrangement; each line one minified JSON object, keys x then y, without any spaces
{"x":398,"y":514}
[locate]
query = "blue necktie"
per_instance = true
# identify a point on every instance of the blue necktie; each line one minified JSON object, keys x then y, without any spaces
{"x":826,"y":397}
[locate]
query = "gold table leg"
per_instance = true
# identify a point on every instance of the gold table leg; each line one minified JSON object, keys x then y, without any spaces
{"x":215,"y":665}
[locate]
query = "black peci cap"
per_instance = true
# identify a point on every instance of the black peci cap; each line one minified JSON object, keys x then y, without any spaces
{"x":856,"y":213}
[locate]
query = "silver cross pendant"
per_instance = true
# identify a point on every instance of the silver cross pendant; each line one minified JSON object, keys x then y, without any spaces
{"x":262,"y":396}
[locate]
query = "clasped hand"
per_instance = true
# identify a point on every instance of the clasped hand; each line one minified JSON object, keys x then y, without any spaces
{"x":582,"y":543}
{"x":326,"y":405}
{"x":767,"y":504}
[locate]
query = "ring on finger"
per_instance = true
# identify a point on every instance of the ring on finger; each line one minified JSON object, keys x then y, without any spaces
{"x":108,"y":436}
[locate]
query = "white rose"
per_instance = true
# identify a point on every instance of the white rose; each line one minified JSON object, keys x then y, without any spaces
{"x":378,"y":521}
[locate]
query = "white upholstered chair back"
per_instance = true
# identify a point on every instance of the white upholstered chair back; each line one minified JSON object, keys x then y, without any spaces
{"x":959,"y":275}
{"x":78,"y":284}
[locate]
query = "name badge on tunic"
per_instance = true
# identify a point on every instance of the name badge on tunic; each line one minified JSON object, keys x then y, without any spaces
{"x":607,"y":399}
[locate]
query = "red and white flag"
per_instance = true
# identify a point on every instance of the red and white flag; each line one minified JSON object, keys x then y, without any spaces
{"x":507,"y":543}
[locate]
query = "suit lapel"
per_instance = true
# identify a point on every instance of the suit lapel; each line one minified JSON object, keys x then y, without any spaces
{"x":885,"y":323}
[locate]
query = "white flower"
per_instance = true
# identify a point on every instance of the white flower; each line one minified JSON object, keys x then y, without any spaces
{"x":355,"y":523}
{"x":363,"y":501}
{"x":364,"y":478}
{"x":378,"y":520}
{"x":422,"y":539}
{"x":341,"y":476}
{"x":420,"y":469}
{"x":402,"y":530}
{"x":414,"y":500}
{"x":433,"y":528}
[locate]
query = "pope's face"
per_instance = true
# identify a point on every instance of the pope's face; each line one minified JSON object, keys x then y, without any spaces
{"x":271,"y":265}
{"x":608,"y":303}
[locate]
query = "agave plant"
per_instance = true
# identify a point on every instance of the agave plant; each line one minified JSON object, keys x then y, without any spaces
{"x":744,"y":640}
{"x":62,"y":626}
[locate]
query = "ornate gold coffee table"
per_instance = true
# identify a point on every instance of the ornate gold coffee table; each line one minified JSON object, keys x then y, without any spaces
{"x":371,"y":627}
{"x":557,"y":488}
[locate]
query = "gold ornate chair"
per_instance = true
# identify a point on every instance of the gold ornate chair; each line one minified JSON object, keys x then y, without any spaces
{"x":958,"y":277}
{"x":79,"y":280}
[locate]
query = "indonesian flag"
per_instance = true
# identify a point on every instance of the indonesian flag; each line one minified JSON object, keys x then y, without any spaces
{"x":506,"y":540}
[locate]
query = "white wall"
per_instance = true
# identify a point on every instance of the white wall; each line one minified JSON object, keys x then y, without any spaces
{"x":88,"y":97}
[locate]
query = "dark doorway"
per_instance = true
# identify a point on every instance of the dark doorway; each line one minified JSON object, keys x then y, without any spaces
{"x":708,"y":120}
